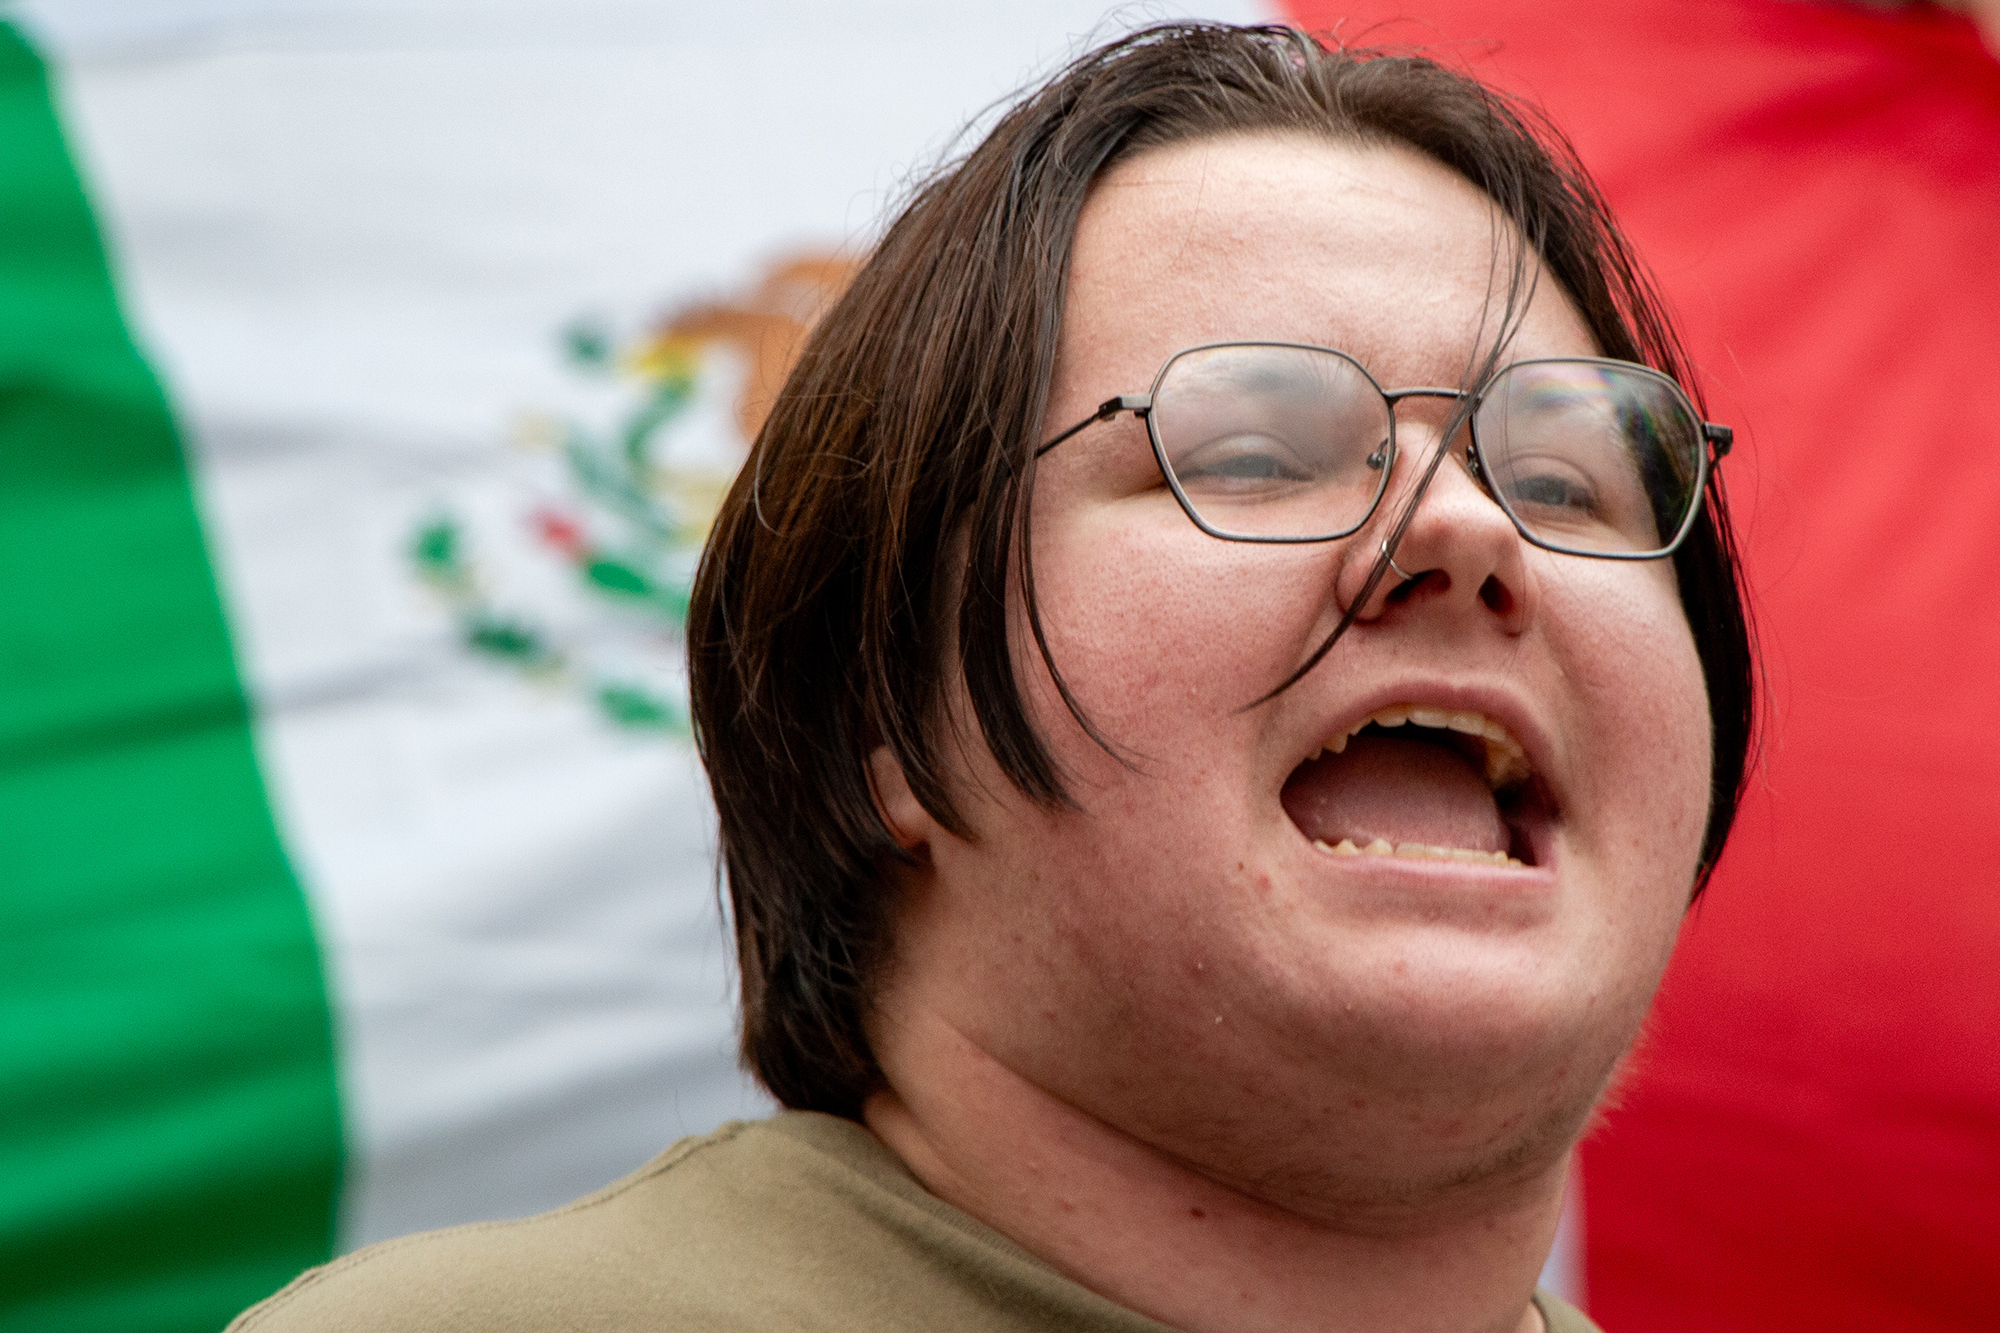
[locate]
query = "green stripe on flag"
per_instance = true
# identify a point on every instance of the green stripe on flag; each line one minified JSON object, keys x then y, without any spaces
{"x":169,"y":1123}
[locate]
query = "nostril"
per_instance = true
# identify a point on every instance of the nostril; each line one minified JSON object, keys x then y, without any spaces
{"x":1435,"y":580}
{"x":1496,"y":596}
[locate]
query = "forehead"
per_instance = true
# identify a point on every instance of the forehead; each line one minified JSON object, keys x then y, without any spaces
{"x":1376,"y":250}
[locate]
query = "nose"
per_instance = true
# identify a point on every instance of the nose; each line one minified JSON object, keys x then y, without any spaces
{"x":1459,"y":554}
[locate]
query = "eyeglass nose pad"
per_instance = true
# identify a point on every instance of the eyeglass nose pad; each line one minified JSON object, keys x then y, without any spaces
{"x":1476,"y":465}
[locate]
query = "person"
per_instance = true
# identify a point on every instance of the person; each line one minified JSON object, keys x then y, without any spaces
{"x":1220,"y":678}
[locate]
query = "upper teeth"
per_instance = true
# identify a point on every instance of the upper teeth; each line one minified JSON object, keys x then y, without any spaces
{"x":1506,"y":760}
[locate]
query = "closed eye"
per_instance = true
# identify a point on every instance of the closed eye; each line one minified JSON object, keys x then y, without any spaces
{"x":1246,"y":462}
{"x":1549,"y":491}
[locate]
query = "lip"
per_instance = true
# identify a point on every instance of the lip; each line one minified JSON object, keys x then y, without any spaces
{"x":1438,"y":874}
{"x":1499,"y":703}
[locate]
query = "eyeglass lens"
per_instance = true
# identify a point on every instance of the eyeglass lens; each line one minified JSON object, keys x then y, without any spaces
{"x":1589,"y":456}
{"x":1293,"y":442}
{"x":1272,"y":441}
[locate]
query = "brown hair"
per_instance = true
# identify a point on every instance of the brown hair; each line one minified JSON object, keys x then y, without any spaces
{"x":902,"y":447}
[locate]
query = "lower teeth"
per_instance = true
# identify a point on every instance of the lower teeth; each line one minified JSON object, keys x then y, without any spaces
{"x":1417,"y":851}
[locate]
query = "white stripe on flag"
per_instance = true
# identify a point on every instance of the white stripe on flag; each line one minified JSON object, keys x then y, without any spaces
{"x":351,"y":233}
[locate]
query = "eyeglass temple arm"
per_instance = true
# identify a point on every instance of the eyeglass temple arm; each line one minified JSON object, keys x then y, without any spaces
{"x":1142,"y":403}
{"x":1721,"y":437}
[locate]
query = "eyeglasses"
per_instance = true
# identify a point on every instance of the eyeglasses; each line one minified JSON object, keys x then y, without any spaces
{"x":1283,"y":442}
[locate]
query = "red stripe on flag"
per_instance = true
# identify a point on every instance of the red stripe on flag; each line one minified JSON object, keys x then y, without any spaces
{"x":1812,"y":1139}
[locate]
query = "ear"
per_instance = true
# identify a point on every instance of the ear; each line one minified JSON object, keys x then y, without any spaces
{"x":909,"y":823}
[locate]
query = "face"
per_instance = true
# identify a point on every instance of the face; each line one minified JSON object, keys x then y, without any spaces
{"x":1182,"y":955}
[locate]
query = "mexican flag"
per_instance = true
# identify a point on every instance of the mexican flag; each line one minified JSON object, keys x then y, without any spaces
{"x":368,"y":374}
{"x":368,"y":371}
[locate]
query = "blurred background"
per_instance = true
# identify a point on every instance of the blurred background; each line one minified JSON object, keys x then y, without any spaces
{"x":369,"y":372}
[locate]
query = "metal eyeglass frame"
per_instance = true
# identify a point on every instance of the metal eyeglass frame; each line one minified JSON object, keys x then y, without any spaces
{"x":1717,"y":438}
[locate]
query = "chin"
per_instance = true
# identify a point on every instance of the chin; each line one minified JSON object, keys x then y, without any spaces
{"x":1375,"y":1158}
{"x":1495,"y":973}
{"x":1436,"y":1004}
{"x":1433,"y":1063}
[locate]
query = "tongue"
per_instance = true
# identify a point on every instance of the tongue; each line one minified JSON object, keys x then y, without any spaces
{"x":1395,"y":789}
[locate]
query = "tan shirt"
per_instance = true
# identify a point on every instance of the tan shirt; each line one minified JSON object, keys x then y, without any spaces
{"x":799,"y":1222}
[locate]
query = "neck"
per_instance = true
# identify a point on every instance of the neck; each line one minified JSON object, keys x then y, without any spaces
{"x":1159,"y":1236}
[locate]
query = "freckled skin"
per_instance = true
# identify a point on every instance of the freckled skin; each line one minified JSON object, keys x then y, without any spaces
{"x":1397,"y":1048}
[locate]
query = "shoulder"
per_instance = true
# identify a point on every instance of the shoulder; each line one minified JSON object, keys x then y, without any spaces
{"x":680,"y":1237}
{"x":801,"y":1222}
{"x":1559,"y":1316}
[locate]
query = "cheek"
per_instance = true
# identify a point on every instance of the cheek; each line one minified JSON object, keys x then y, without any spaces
{"x":1163,"y":633}
{"x":1163,"y":636}
{"x":1632,"y":662}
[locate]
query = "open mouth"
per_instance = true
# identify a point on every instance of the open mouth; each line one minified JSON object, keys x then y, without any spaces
{"x":1423,"y":783}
